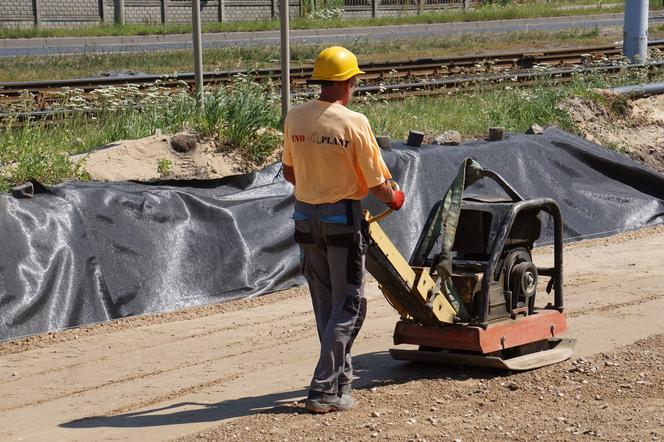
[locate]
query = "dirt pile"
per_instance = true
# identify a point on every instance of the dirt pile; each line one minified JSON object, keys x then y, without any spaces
{"x":158,"y":158}
{"x":612,"y":396}
{"x":634,"y":127}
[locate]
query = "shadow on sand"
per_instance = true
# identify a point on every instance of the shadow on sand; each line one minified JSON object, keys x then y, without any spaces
{"x":371,"y":369}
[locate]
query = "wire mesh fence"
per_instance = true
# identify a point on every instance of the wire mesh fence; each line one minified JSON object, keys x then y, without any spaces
{"x":377,"y":8}
{"x":442,"y":4}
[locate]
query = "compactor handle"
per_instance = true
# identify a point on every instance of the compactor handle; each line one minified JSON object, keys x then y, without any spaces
{"x":388,"y":212}
{"x":380,"y":216}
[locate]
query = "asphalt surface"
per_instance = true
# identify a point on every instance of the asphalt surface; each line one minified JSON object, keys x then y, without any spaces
{"x":150,"y":43}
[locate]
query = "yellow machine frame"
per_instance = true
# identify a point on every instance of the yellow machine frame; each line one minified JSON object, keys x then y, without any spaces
{"x":417,"y":279}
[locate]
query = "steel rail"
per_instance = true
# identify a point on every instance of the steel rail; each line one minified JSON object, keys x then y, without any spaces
{"x":377,"y":71}
{"x":387,"y":92}
{"x":522,"y":78}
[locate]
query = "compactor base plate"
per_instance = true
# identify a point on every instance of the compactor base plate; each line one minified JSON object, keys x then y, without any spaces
{"x":550,"y":351}
{"x":500,"y":335}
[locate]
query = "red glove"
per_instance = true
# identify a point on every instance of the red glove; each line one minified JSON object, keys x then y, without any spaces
{"x":398,"y":197}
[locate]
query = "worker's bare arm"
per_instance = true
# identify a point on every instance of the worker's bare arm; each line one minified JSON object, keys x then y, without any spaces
{"x":289,"y":174}
{"x":383,"y":192}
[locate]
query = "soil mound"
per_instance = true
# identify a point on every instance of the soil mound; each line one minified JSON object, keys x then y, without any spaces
{"x":157,"y":158}
{"x":634,"y":127}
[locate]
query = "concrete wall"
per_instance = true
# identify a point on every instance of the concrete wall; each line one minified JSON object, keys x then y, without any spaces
{"x":91,"y":12}
{"x":16,"y":13}
{"x":147,"y":11}
{"x":18,"y":8}
{"x":49,"y":12}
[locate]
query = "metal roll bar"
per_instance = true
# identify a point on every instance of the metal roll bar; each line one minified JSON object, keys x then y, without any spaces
{"x":551,"y":207}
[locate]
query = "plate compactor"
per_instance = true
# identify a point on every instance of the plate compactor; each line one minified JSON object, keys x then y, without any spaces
{"x":467,"y":296}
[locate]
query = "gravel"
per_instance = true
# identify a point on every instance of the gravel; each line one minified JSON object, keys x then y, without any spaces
{"x":617,"y":401}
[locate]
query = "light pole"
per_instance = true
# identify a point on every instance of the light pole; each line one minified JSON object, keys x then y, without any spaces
{"x":635,"y":30}
{"x":285,"y":60}
{"x":198,"y":52}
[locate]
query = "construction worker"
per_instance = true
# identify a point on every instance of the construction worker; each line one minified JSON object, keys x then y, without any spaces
{"x":332,"y":158}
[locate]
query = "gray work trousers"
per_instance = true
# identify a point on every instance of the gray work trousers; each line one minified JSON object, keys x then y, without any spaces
{"x":333,"y":250}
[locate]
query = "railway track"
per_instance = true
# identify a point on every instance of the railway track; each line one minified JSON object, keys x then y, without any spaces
{"x":387,"y":79}
{"x":389,"y":92}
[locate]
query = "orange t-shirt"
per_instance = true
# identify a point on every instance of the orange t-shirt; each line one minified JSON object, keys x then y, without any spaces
{"x":333,"y":152}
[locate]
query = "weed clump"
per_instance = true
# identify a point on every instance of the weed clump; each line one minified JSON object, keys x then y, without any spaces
{"x":163,"y":167}
{"x":242,"y":118}
{"x":621,"y":105}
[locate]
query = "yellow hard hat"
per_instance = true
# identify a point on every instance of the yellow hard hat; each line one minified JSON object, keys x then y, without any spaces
{"x":335,"y":64}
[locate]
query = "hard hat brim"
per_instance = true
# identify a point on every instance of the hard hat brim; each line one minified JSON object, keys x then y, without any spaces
{"x":339,"y":77}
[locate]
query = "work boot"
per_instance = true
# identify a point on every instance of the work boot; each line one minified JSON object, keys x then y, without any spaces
{"x":318,"y":402}
{"x":345,"y":394}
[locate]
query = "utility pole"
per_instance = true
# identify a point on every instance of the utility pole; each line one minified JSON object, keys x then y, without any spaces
{"x":36,"y":8}
{"x":119,"y":10}
{"x":198,"y":52}
{"x":285,"y":60}
{"x":635,"y":30}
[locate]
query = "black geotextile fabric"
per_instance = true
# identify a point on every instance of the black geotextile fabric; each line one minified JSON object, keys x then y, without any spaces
{"x":89,"y":252}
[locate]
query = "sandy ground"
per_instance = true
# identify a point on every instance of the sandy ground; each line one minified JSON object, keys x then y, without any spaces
{"x":154,"y":158}
{"x":238,"y":372}
{"x":634,"y":127}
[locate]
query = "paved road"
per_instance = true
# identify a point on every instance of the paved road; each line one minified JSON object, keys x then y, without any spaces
{"x":80,"y":45}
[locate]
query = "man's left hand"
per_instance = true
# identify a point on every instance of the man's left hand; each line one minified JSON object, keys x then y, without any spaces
{"x":398,"y":198}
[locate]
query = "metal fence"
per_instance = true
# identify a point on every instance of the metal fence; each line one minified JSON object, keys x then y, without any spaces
{"x":437,"y":4}
{"x":379,"y":8}
{"x":52,"y":13}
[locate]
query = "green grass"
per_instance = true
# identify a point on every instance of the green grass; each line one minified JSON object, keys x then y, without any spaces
{"x":470,"y":114}
{"x":39,"y":151}
{"x":239,"y":116}
{"x":490,"y":11}
{"x":510,"y":106}
{"x":163,"y":167}
{"x":90,"y":65}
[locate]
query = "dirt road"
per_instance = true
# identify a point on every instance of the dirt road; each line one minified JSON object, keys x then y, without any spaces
{"x":168,"y":376}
